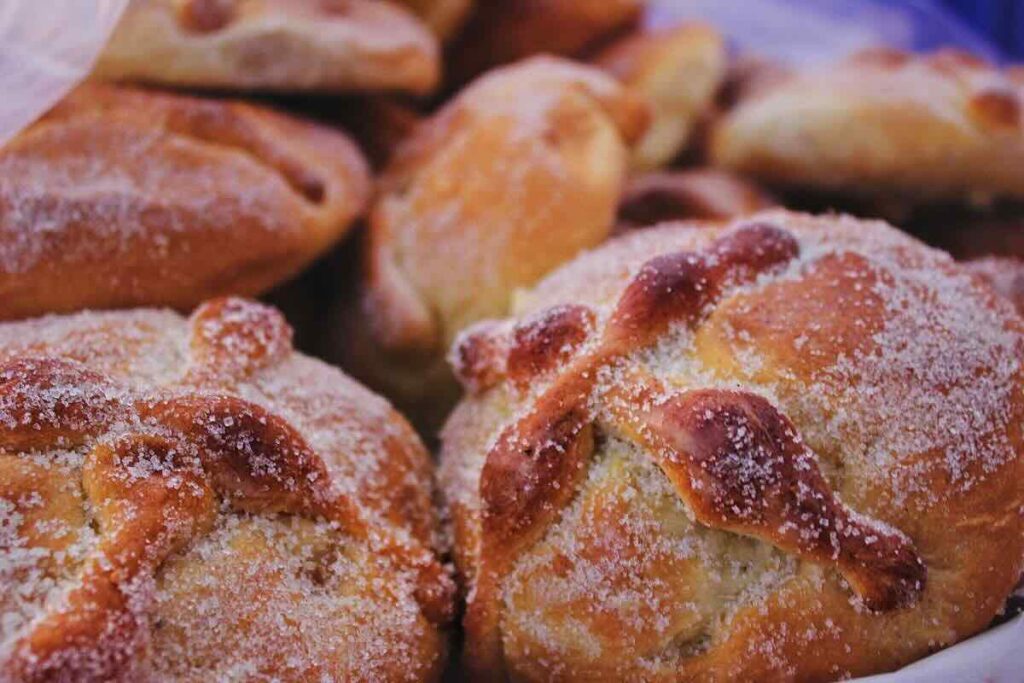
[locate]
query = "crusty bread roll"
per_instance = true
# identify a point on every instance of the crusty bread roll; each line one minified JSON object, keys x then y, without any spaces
{"x":694,"y":194}
{"x":679,"y":69}
{"x":191,"y":500}
{"x":945,"y":125}
{"x":503,"y":31}
{"x":122,"y":197}
{"x":277,"y":45}
{"x":788,"y":448}
{"x":519,"y":173}
{"x":445,"y":17}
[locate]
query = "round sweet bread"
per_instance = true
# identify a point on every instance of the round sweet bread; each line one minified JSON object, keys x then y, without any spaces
{"x":786,"y":448}
{"x":273,"y":45}
{"x":187,"y":500}
{"x":883,"y":123}
{"x":515,"y":175}
{"x":121,"y":197}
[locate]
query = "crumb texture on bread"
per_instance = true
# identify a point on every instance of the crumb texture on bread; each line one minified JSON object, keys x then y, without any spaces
{"x":192,"y":500}
{"x":276,"y":45}
{"x":788,"y":447}
{"x":121,"y":197}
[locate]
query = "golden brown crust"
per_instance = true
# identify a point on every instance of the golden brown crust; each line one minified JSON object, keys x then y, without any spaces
{"x":729,"y":459}
{"x":519,"y":173}
{"x":168,"y":462}
{"x":278,"y":45}
{"x":122,"y":197}
{"x":679,"y":70}
{"x":882,"y":123}
{"x":503,"y":31}
{"x":697,"y":194}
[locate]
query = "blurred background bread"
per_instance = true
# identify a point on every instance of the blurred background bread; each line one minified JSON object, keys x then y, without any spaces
{"x":121,"y":197}
{"x":522,"y":170}
{"x":679,"y":70}
{"x":503,"y":31}
{"x":884,"y":123}
{"x":691,"y":194}
{"x":278,"y":45}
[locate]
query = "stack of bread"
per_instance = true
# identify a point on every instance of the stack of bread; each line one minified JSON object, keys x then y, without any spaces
{"x":672,"y":400}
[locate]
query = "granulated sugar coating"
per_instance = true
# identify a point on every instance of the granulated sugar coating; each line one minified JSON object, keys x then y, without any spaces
{"x":190,"y":500}
{"x":120,"y":197}
{"x":788,"y":448}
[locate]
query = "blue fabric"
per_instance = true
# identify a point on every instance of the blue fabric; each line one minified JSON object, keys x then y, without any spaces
{"x":804,"y":31}
{"x":1000,"y":21}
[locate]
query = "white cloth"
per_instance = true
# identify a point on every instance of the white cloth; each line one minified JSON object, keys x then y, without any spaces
{"x":46,"y":48}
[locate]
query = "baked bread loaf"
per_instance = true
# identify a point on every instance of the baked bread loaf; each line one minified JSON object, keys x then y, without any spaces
{"x":787,"y":448}
{"x":187,"y":500}
{"x":517,"y":174}
{"x":680,"y":70}
{"x":695,"y":194}
{"x":445,"y":17}
{"x":275,"y":45}
{"x":503,"y":31}
{"x":122,"y":197}
{"x":944,"y":125}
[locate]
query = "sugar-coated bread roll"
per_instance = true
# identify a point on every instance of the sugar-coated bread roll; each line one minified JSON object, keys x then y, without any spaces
{"x":787,"y":448}
{"x":943,"y":125}
{"x":121,"y":197}
{"x":503,"y":31}
{"x":679,"y":70}
{"x":522,"y":170}
{"x":191,"y":500}
{"x":277,"y":45}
